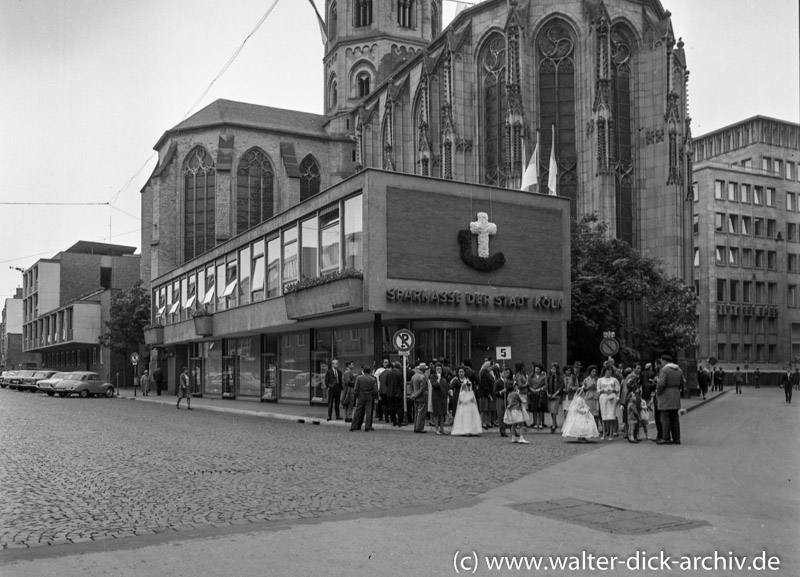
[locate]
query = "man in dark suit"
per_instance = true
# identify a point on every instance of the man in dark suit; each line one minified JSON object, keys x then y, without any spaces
{"x":333,"y":382}
{"x":395,"y":393}
{"x":366,"y":392}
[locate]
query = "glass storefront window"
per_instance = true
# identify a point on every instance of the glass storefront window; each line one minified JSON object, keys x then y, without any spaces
{"x":258,"y":270}
{"x":353,"y":257}
{"x":244,"y":276}
{"x":269,"y":362}
{"x":289,"y":255}
{"x":293,"y":367}
{"x":329,"y":255}
{"x":273,"y":267}
{"x":248,"y":377}
{"x":309,"y":255}
{"x":213,"y":355}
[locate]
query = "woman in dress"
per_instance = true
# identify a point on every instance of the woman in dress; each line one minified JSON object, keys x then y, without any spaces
{"x":590,"y":393}
{"x":515,"y":414}
{"x":555,"y":388}
{"x":579,"y":423}
{"x":439,"y":386}
{"x":467,"y":421}
{"x":521,"y":382}
{"x":538,"y":396}
{"x":608,"y":388}
{"x":570,"y":387}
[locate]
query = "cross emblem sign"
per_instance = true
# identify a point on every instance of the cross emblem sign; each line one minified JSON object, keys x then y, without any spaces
{"x":483,"y":229}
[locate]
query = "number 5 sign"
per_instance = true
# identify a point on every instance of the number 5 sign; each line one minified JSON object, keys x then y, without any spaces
{"x":403,"y":340}
{"x":503,"y":353}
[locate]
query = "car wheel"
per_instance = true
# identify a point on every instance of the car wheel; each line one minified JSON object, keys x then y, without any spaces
{"x":50,"y":394}
{"x":83,"y":394}
{"x":3,"y":386}
{"x":109,"y":392}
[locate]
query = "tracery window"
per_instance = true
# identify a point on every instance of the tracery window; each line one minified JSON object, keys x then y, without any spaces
{"x":199,"y":204}
{"x":556,"y":74}
{"x":493,"y":73}
{"x":362,"y":13}
{"x":406,"y":13}
{"x":622,"y":113}
{"x":254,"y":190}
{"x":309,"y":178}
{"x":362,"y":84}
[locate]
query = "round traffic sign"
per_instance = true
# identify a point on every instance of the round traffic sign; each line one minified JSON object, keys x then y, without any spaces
{"x":135,"y":358}
{"x":609,"y":347}
{"x":403,"y":340}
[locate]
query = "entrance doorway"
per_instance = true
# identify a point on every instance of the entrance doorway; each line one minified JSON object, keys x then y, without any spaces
{"x":448,"y":340}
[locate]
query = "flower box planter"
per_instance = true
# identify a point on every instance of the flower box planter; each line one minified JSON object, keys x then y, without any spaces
{"x":340,"y":295}
{"x":204,"y":325}
{"x":154,"y":335}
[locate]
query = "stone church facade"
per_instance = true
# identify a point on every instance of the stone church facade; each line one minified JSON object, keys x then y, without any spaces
{"x":599,"y":85}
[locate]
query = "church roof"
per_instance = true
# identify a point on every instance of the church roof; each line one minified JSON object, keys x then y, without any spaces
{"x":245,"y":115}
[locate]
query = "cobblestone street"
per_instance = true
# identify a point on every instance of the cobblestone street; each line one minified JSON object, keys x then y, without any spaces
{"x":76,"y":470}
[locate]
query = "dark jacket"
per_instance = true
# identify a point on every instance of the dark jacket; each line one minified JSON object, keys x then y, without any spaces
{"x":331,"y":381}
{"x":366,"y":387}
{"x":668,"y":390}
{"x":394,"y":383}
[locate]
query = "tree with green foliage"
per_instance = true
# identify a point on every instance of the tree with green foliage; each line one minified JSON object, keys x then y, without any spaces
{"x":129,"y":314}
{"x":609,"y":280}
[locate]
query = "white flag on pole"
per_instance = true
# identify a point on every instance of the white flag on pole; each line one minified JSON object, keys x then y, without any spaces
{"x":552,"y":178}
{"x":531,"y":174}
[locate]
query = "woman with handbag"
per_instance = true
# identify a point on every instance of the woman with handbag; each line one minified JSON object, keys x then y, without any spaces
{"x":608,"y":389}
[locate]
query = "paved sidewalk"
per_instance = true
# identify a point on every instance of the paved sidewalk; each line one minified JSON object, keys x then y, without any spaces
{"x":305,"y":413}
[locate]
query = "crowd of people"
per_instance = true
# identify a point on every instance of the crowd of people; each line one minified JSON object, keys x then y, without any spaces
{"x":612,"y":402}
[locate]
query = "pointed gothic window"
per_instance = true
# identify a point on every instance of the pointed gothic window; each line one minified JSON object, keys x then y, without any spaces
{"x":556,"y":74}
{"x":362,"y":13}
{"x":493,"y":74}
{"x":333,"y":16}
{"x":255,"y":181}
{"x":622,"y":113}
{"x":309,"y":178}
{"x":199,"y":204}
{"x":436,"y":21}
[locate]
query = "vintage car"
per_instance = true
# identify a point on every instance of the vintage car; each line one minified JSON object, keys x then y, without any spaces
{"x":83,"y":384}
{"x":29,"y":383}
{"x":17,"y":379}
{"x":48,"y":385}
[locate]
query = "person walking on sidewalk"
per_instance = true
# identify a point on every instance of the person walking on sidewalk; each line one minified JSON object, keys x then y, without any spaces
{"x":737,"y":380}
{"x":144,"y":383}
{"x":183,"y":390}
{"x":668,"y":392}
{"x":788,"y":383}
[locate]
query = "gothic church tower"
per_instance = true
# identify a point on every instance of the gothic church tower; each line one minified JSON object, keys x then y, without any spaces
{"x":367,"y":40}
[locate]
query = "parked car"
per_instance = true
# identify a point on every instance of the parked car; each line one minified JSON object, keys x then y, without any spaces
{"x":83,"y":384}
{"x":5,"y":378}
{"x":29,"y":382}
{"x":48,"y":385}
{"x":17,"y":379}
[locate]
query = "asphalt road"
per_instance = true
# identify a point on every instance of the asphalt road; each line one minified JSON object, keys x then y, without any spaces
{"x":92,"y":470}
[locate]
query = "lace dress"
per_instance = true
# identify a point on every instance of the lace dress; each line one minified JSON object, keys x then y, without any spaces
{"x":468,"y":419}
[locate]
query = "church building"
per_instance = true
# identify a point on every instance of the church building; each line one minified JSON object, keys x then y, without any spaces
{"x":278,"y":240}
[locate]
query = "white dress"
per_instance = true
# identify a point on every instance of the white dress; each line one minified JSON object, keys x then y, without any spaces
{"x":580,"y":421}
{"x":467,"y":420}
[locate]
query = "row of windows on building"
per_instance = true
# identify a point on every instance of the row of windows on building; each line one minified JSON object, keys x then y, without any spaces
{"x":73,"y":358}
{"x":50,"y":329}
{"x":745,"y":193}
{"x":748,"y":292}
{"x":406,"y":11}
{"x":756,"y":131}
{"x":321,"y":244}
{"x":255,"y":195}
{"x":736,"y":352}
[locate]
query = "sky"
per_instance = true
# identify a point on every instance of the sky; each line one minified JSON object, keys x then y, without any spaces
{"x":91,"y":85}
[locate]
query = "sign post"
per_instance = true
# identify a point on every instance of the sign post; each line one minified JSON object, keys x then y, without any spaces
{"x":135,"y":363}
{"x":403,"y":341}
{"x":609,"y":346}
